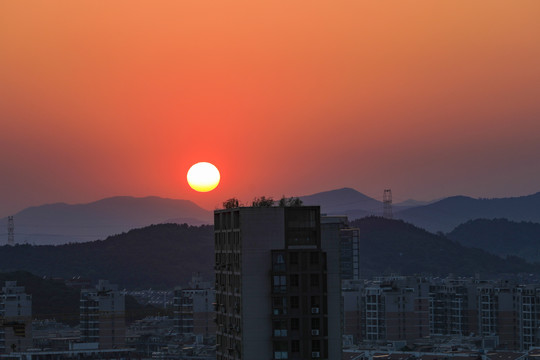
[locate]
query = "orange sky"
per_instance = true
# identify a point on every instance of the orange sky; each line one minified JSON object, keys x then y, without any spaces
{"x":430,"y":98}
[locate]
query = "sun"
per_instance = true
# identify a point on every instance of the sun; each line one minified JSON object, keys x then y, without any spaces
{"x":203,"y":177}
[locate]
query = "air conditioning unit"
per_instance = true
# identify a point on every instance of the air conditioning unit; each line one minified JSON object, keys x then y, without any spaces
{"x":315,"y":332}
{"x":315,"y":310}
{"x":315,"y":354}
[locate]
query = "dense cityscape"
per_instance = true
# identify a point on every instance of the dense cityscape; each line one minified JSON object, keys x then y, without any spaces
{"x":287,"y":284}
{"x":269,"y":180}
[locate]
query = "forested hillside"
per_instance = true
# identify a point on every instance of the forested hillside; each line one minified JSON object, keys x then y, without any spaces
{"x":501,"y":237}
{"x":164,"y":256}
{"x":393,"y":246}
{"x":157,"y":256}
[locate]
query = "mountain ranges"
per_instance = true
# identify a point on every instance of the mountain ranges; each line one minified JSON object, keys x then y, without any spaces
{"x":166,"y":255}
{"x":55,"y":224}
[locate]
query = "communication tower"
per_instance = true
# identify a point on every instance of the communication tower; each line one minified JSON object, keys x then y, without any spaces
{"x":387,"y":204}
{"x":11,"y":231}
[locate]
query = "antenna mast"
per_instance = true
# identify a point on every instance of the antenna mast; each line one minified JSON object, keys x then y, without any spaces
{"x":11,"y":231}
{"x":387,"y":204}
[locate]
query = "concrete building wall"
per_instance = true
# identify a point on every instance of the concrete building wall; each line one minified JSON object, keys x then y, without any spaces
{"x":507,"y":319}
{"x":263,"y":229}
{"x":257,"y":245}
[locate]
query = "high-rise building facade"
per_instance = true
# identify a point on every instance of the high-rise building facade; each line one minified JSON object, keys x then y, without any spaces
{"x":350,"y":253}
{"x":453,"y":308}
{"x":102,"y":316}
{"x":278,"y":291}
{"x":15,"y":318}
{"x":499,"y":314}
{"x":388,"y":309}
{"x":194,"y":309}
{"x":349,"y":245}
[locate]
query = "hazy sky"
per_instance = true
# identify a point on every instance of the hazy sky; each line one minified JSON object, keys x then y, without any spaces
{"x":429,"y":98}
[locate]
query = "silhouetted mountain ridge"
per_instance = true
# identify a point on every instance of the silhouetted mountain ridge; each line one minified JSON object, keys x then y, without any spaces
{"x":62,"y":223}
{"x":345,"y":201}
{"x":157,"y":256}
{"x":394,"y":246}
{"x":166,"y":255}
{"x":501,"y":237}
{"x":446,"y":214}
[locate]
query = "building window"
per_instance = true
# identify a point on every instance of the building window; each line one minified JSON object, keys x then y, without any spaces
{"x":278,"y":262}
{"x":281,"y":350}
{"x":236,"y":219}
{"x":295,"y":302}
{"x":280,"y":283}
{"x":295,"y":346}
{"x":217,"y":222}
{"x":295,"y":323}
{"x":280,"y":305}
{"x":280,"y":328}
{"x":314,"y":280}
{"x":293,"y":258}
{"x":294,"y":280}
{"x":314,"y":258}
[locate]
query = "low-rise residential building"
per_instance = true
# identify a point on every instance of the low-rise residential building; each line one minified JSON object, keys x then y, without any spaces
{"x":15,"y":318}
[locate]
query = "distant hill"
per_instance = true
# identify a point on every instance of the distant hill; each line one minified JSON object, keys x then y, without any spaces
{"x":54,"y":300}
{"x":446,"y":214}
{"x":393,"y":246}
{"x":157,"y":256}
{"x":64,"y":223}
{"x":501,"y":237}
{"x":345,"y":201}
{"x":413,"y":203}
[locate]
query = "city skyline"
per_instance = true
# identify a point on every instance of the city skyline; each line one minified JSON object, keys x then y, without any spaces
{"x":429,"y":99}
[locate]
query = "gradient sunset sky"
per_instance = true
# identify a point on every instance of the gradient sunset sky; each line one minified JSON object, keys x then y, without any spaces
{"x":429,"y":98}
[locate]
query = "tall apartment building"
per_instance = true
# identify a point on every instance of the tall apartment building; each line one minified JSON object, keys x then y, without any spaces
{"x":15,"y":318}
{"x":350,"y":253}
{"x":387,"y":309}
{"x":194,"y":309}
{"x":102,"y":316}
{"x":453,"y":308}
{"x":527,"y":299}
{"x":278,"y":290}
{"x":498,"y":313}
{"x":349,"y":244}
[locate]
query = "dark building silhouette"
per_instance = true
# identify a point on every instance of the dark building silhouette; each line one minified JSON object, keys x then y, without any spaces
{"x":278,"y":289}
